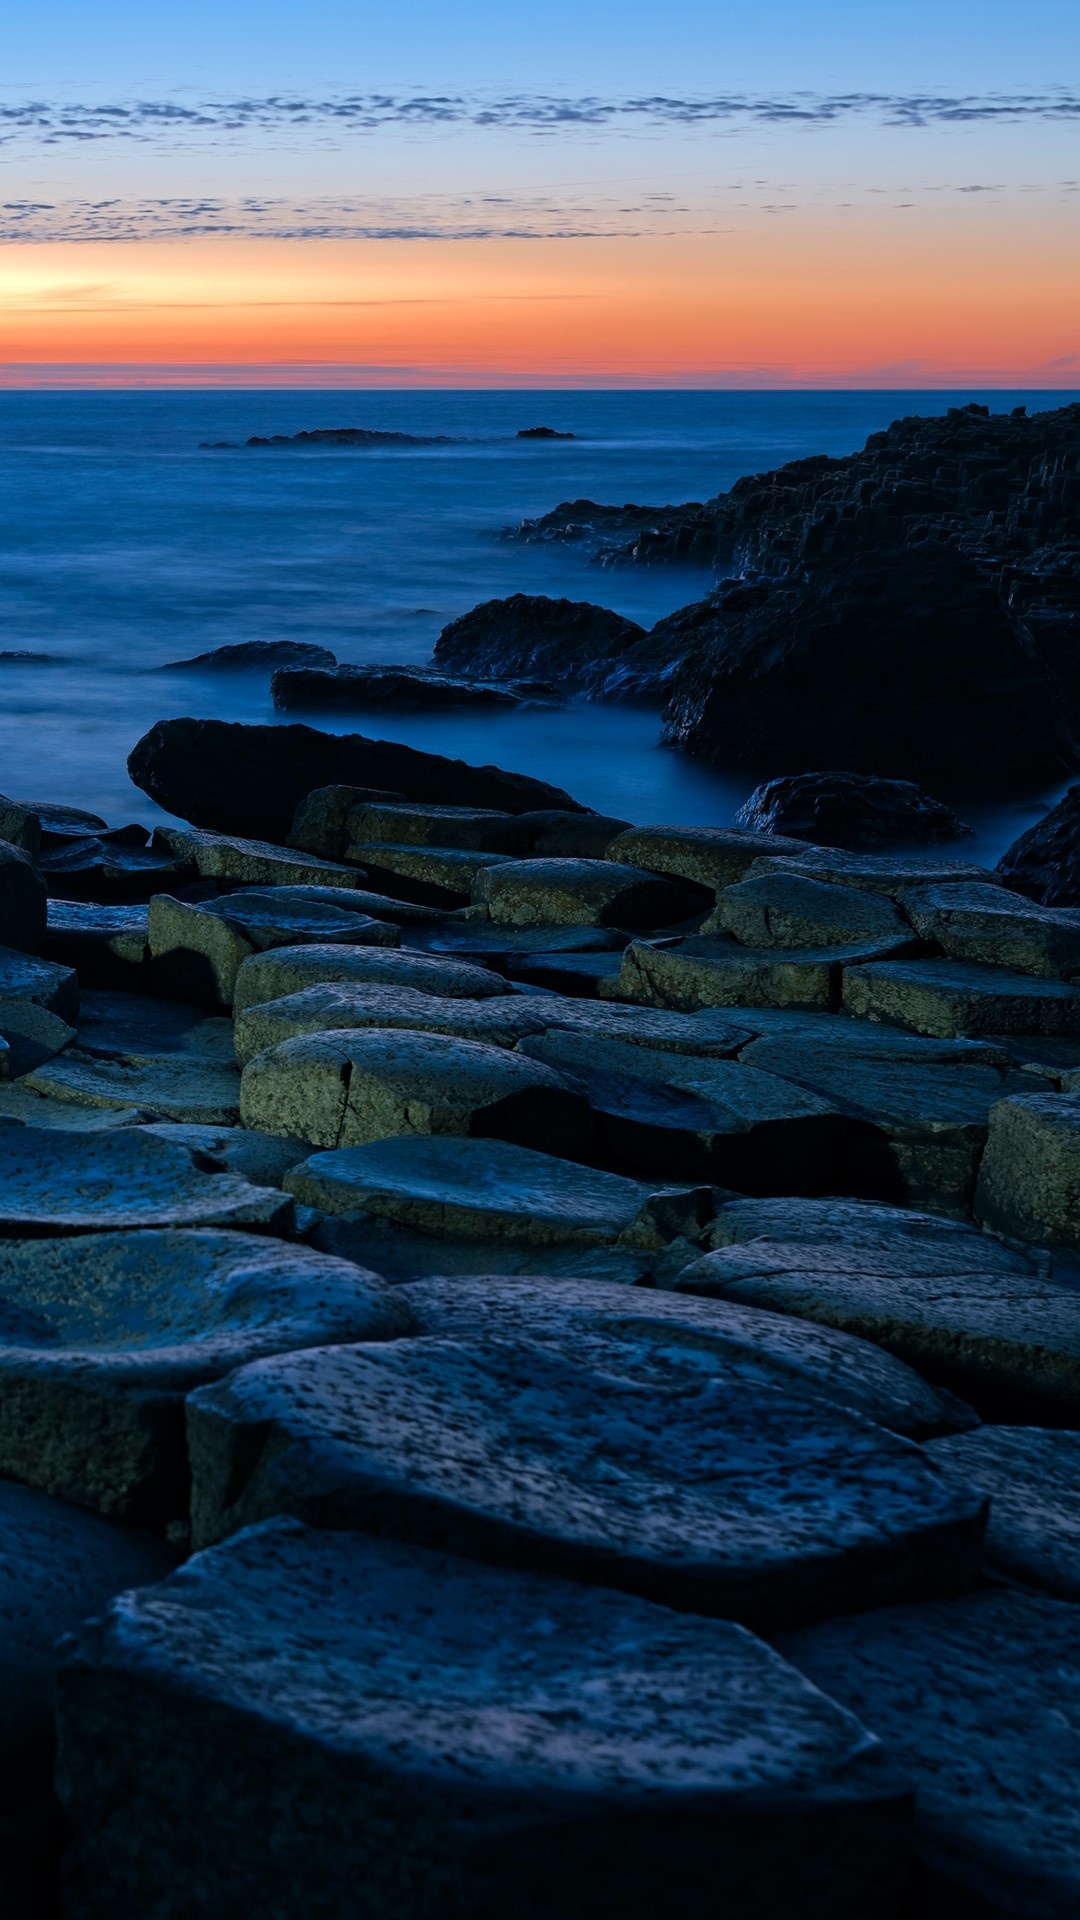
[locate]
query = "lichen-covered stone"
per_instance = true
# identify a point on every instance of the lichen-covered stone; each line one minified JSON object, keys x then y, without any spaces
{"x":478,"y":829}
{"x":428,"y":876}
{"x":288,"y":970}
{"x":889,"y":873}
{"x":994,"y":927}
{"x":580,"y":893}
{"x":713,"y":970}
{"x":790,"y":910}
{"x":196,"y":952}
{"x":712,"y":857}
{"x":956,"y":996}
{"x":497,"y":1022}
{"x":254,"y":863}
{"x":1029,"y":1181}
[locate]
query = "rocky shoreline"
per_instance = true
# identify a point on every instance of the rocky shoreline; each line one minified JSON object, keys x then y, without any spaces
{"x":541,"y":1353}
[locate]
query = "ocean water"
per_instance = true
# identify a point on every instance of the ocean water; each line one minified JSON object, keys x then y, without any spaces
{"x":124,"y":545}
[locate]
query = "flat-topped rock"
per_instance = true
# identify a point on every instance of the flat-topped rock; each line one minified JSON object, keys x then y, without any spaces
{"x":499,"y":1022}
{"x":716,"y":1120}
{"x":1029,"y":1181}
{"x":712,"y":857}
{"x":663,"y":1340}
{"x":754,"y":1505}
{"x":19,"y":1104}
{"x":262,"y":1158}
{"x":492,"y":1190}
{"x":115,"y":865}
{"x":977,"y":1702}
{"x":475,"y":828}
{"x":713,"y":970}
{"x":59,"y":1180}
{"x":557,"y":835}
{"x":477,"y":940}
{"x":219,"y":856}
{"x":169,"y":1086}
{"x":362,"y":900}
{"x":448,"y":1769}
{"x":585,"y":975}
{"x":103,"y":1335}
{"x":22,"y":901}
{"x":1032,"y":1476}
{"x":347,"y":1088}
{"x":781,"y":1027}
{"x":577,"y":893}
{"x":135,"y":1028}
{"x":287,"y":970}
{"x":708,"y":1036}
{"x":791,"y":910}
{"x":1007,"y":1341}
{"x":57,"y":1566}
{"x":401,"y":1254}
{"x":956,"y":996}
{"x":991,"y":925}
{"x":320,"y":824}
{"x":27,"y":981}
{"x":888,"y":873}
{"x":197,"y":951}
{"x":887,"y":1239}
{"x":107,"y":946}
{"x":425,"y":875}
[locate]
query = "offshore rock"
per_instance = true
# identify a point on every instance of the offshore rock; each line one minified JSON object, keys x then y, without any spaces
{"x":245,"y":655}
{"x":528,"y":635}
{"x":345,"y":688}
{"x":1045,"y":862}
{"x":249,"y":780}
{"x":853,"y":810}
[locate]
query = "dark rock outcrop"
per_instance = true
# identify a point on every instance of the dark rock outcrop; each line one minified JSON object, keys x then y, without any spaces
{"x":542,"y":433}
{"x":906,"y":666}
{"x":250,"y":780}
{"x":1045,"y":862}
{"x":348,"y":437}
{"x":570,"y":641}
{"x":345,"y":688}
{"x":245,"y":654}
{"x":850,"y":810}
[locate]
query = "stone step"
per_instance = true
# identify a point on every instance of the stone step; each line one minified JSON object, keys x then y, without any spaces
{"x":1032,"y":1478}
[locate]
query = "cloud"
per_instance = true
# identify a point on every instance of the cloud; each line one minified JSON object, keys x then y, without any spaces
{"x":52,"y":123}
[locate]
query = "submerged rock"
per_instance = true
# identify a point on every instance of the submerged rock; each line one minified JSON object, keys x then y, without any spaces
{"x":853,"y":810}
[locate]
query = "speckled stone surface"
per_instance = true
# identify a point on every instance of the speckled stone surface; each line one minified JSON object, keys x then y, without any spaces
{"x":500,"y":1022}
{"x":791,"y":910}
{"x":956,"y":997}
{"x":288,"y":970}
{"x":60,"y":1180}
{"x":173,"y":1086}
{"x":713,"y":970}
{"x":751,"y":1504}
{"x":464,"y":1743}
{"x":977,"y":1699}
{"x":580,"y":893}
{"x":1032,"y":1475}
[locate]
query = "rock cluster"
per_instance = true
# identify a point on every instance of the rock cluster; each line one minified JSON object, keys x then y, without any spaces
{"x":539,"y":1369}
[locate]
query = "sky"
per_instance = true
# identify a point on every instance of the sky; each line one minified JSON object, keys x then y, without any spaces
{"x":687,"y":195}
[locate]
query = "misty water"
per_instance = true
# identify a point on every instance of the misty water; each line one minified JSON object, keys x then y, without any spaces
{"x":125,"y":545}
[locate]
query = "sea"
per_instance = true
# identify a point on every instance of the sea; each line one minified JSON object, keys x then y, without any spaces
{"x":126,"y":543}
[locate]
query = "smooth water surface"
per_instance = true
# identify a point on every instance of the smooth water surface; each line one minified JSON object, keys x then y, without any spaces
{"x":125,"y":545}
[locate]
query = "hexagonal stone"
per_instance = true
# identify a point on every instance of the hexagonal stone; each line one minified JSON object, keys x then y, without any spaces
{"x":500,"y":1022}
{"x":262,"y":1158}
{"x":1032,"y":1477}
{"x":712,"y":970}
{"x":592,"y":975}
{"x":713,"y":857}
{"x":709,"y":1036}
{"x":21,"y":1106}
{"x":53,"y":1180}
{"x":705,"y":1770}
{"x":663,"y":1340}
{"x":57,"y":1566}
{"x":579,"y":893}
{"x":777,"y":1028}
{"x":288,"y":970}
{"x":168,"y":1086}
{"x":344,"y":1089}
{"x":22,"y":901}
{"x":27,"y":982}
{"x":956,"y":997}
{"x":997,"y":1333}
{"x":893,"y":1239}
{"x":377,"y":906}
{"x":102,"y":1336}
{"x":107,"y":946}
{"x":402,"y":1255}
{"x":789,"y":910}
{"x":479,"y":941}
{"x":713,"y":1119}
{"x":471,"y":828}
{"x":755,"y":1505}
{"x":254,"y":863}
{"x":989,"y":924}
{"x":320,"y":823}
{"x":197,"y":951}
{"x":978,"y":1702}
{"x":555,"y":834}
{"x":888,"y":873}
{"x":922,"y":1125}
{"x":1029,"y":1181}
{"x":428,"y":876}
{"x":493,"y":1190}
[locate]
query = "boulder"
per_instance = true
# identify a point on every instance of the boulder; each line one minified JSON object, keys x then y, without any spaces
{"x":1029,"y":1182}
{"x":977,"y":1701}
{"x":427,"y":876}
{"x":320,"y":823}
{"x":904,"y":664}
{"x":705,"y":1771}
{"x":347,"y":689}
{"x":288,"y":970}
{"x":753,"y":1504}
{"x":531,"y":636}
{"x":246,"y":655}
{"x":252,"y":863}
{"x":712,"y":970}
{"x":22,"y":901}
{"x":664,"y":1340}
{"x":968,"y":1315}
{"x":990,"y":925}
{"x":854,"y":810}
{"x":957,"y":997}
{"x":576,"y":893}
{"x":1031,"y":1476}
{"x":712,"y":857}
{"x":347,"y":1088}
{"x":1045,"y":862}
{"x":60,"y":1180}
{"x":57,"y":1567}
{"x":249,"y":780}
{"x":107,"y":946}
{"x":715,"y":1120}
{"x":103,"y":1335}
{"x":474,"y":829}
{"x":491,"y":1190}
{"x":196,"y":951}
{"x":499,"y":1022}
{"x":789,"y":910}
